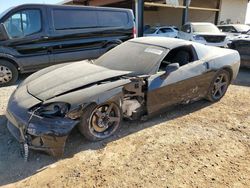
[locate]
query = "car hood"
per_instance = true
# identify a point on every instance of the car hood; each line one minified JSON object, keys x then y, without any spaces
{"x":209,"y":34}
{"x":68,"y":78}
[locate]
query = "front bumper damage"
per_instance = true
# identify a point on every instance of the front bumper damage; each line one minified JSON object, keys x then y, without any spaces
{"x":35,"y":132}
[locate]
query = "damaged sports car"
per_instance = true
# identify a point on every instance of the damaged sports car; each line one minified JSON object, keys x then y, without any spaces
{"x":134,"y":81}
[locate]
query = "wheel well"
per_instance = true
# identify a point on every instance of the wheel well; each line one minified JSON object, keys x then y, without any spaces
{"x":229,"y":70}
{"x":116,"y":42}
{"x":11,"y":61}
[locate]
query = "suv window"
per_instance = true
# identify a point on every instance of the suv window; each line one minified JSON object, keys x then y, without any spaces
{"x":23,"y":23}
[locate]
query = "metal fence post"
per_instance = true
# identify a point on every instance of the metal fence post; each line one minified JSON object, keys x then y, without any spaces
{"x":139,"y":11}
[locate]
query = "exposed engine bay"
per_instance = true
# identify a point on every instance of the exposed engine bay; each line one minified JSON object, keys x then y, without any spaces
{"x":134,"y":101}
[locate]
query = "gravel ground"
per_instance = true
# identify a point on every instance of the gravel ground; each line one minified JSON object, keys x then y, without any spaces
{"x":197,"y":145}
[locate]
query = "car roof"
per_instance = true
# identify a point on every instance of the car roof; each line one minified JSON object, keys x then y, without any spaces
{"x":164,"y":42}
{"x":160,"y":27}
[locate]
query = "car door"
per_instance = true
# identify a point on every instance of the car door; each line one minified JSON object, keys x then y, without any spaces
{"x":27,"y":38}
{"x":189,"y":82}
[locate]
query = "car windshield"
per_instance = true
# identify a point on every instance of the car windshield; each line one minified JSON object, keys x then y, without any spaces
{"x":132,"y":56}
{"x":242,"y":28}
{"x":150,"y":30}
{"x":205,"y":28}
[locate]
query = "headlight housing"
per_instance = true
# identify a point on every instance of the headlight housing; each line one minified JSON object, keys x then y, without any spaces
{"x":198,"y":37}
{"x":58,"y":109}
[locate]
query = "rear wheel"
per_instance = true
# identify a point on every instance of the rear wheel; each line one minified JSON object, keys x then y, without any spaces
{"x":100,"y":121}
{"x":8,"y":73}
{"x":219,"y":86}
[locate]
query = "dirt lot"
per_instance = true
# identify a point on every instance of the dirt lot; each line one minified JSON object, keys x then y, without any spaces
{"x":197,"y":145}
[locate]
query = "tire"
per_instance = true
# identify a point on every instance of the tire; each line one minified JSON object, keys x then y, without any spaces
{"x":218,"y":86}
{"x":97,"y":123}
{"x":8,"y":73}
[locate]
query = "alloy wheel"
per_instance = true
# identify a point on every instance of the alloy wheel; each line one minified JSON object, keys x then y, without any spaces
{"x":5,"y":74}
{"x":104,"y":120}
{"x":220,"y":86}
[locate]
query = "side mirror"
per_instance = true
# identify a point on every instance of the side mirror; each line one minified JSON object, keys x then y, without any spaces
{"x":172,"y":67}
{"x":3,"y":33}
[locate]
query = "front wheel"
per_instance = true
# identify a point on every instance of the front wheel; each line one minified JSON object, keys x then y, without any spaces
{"x":100,"y":121}
{"x":219,"y":86}
{"x":8,"y":73}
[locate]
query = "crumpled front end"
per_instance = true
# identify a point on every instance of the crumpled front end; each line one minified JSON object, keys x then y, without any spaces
{"x":47,"y":134}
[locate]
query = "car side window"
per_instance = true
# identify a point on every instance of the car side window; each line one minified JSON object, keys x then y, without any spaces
{"x":166,"y":30}
{"x":228,"y":29}
{"x":182,"y":55}
{"x":233,"y":30}
{"x":160,"y":31}
{"x":23,"y":23}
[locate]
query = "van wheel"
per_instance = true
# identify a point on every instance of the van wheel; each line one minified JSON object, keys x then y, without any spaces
{"x":8,"y":73}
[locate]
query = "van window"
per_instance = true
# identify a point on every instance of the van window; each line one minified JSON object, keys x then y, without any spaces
{"x":74,"y":19}
{"x":79,"y":19}
{"x":112,"y":18}
{"x":23,"y":23}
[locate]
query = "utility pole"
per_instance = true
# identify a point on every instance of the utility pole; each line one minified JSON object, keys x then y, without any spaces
{"x":185,"y":14}
{"x":139,"y":10}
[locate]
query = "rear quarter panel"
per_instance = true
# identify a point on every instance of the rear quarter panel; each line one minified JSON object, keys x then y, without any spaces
{"x":219,"y":58}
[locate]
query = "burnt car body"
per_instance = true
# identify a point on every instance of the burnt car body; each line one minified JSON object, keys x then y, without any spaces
{"x":243,"y":47}
{"x":136,"y":79}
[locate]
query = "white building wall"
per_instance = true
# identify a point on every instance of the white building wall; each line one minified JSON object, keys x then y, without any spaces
{"x":234,"y":10}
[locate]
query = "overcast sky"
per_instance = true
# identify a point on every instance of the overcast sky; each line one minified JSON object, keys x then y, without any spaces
{"x":5,"y":4}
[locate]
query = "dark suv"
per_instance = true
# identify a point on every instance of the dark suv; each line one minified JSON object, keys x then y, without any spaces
{"x":36,"y":36}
